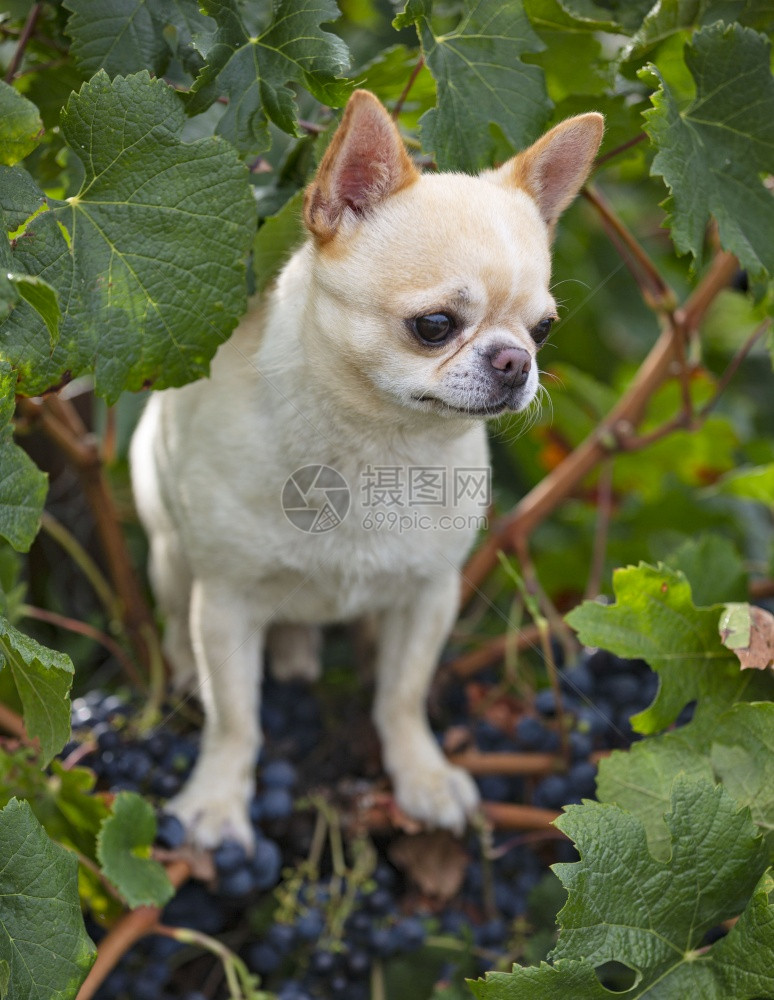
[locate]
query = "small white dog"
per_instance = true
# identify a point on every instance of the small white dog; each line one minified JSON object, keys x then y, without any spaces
{"x":413,"y":312}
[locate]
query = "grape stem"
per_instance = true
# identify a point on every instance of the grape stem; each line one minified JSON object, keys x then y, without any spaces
{"x":242,"y":984}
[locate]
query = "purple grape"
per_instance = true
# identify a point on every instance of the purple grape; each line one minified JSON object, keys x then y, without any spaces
{"x":238,"y":883}
{"x":263,"y":958}
{"x":229,"y":856}
{"x":281,"y":937}
{"x":309,"y":926}
{"x":279,"y":774}
{"x":275,"y":804}
{"x":266,"y":864}
{"x":170,"y":832}
{"x":552,"y":792}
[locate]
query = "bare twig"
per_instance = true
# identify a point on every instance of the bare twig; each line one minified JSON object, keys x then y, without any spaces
{"x":654,"y":288}
{"x":567,"y":476}
{"x":479,"y":763}
{"x":126,"y":932}
{"x":505,"y":816}
{"x":619,"y":149}
{"x":491,"y":651}
{"x":91,"y":632}
{"x":405,"y":92}
{"x":56,"y":530}
{"x":59,"y":419}
{"x":13,"y":723}
{"x":604,"y":509}
{"x":733,"y":367}
{"x":687,"y":420}
{"x":21,"y":45}
{"x":313,"y":128}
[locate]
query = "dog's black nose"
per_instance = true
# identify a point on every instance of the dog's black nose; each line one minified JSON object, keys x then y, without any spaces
{"x":511,"y":365}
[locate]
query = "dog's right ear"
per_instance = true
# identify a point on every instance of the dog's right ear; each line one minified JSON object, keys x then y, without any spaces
{"x":365,"y":162}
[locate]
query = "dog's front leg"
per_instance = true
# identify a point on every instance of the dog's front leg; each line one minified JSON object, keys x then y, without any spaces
{"x":410,"y":641}
{"x":227,"y":632}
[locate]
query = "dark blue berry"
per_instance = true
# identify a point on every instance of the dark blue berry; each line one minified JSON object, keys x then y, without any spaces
{"x":279,"y":774}
{"x":170,"y":832}
{"x":229,"y":856}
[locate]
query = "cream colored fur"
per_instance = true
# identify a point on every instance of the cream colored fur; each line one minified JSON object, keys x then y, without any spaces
{"x":326,"y":370}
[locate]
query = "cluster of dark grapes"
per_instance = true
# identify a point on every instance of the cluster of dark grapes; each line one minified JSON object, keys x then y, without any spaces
{"x":299,"y":953}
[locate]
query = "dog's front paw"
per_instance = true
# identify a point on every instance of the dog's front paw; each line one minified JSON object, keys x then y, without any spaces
{"x":210,"y":817}
{"x":438,"y":794}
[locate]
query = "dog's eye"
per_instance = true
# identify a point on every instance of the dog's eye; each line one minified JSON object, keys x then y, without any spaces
{"x":542,"y":330}
{"x":434,"y":328}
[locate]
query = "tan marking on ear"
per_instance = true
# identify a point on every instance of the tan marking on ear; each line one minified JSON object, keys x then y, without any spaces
{"x":365,"y":163}
{"x":554,"y":168}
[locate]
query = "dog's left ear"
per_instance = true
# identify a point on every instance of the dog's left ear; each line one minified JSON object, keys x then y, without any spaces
{"x":553,"y":170}
{"x":365,"y":162}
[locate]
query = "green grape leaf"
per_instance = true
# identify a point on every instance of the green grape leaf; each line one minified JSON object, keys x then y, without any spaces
{"x":572,"y":58}
{"x":650,"y":915}
{"x":619,"y":16}
{"x":42,"y":936}
{"x":149,"y":270}
{"x":657,"y":912}
{"x":640,"y":780}
{"x":42,"y":678}
{"x":742,"y":756}
{"x":123,"y":849}
{"x":23,"y":486}
{"x":481,"y":81}
{"x":670,"y":16}
{"x":276,"y":239}
{"x":40,"y":295}
{"x":713,"y":568}
{"x":20,"y":198}
{"x":20,"y":126}
{"x":712,"y":152}
{"x":5,"y":978}
{"x":750,"y":483}
{"x":254,"y":69}
{"x":124,"y":38}
{"x":654,"y":619}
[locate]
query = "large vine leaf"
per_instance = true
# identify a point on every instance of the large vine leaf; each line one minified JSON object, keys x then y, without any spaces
{"x":254,"y":68}
{"x":751,"y":483}
{"x":148,"y":258}
{"x":620,"y":16}
{"x":42,"y":678}
{"x":124,"y":38}
{"x":734,"y":746}
{"x":626,"y":906}
{"x":23,"y":486}
{"x":712,"y":152}
{"x":572,"y":58}
{"x":20,"y":125}
{"x":670,"y":16}
{"x":482,"y":82}
{"x":43,"y":940}
{"x":123,"y":849}
{"x":654,"y":619}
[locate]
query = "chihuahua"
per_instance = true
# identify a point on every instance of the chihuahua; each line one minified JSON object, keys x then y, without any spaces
{"x":413,"y":312}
